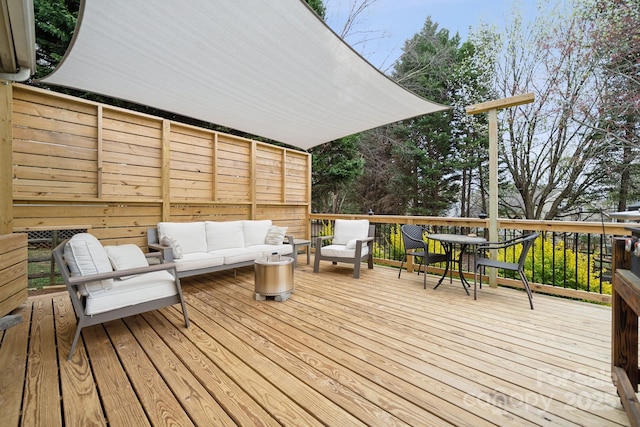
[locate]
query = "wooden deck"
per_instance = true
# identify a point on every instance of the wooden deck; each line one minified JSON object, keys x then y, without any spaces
{"x":340,"y":352}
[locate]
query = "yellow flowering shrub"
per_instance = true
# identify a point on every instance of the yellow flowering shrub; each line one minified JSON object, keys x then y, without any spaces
{"x":557,"y":265}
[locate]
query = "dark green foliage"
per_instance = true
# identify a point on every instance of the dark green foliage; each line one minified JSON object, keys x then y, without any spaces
{"x":335,"y":165}
{"x":318,"y":7}
{"x":55,"y":25}
{"x":421,"y":177}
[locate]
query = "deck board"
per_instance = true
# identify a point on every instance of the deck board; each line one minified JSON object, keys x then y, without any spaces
{"x":374,"y":351}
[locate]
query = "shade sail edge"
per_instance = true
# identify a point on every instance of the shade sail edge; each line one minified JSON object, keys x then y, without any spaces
{"x":290,"y":80}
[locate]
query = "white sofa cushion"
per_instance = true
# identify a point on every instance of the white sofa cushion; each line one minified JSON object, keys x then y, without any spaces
{"x":255,"y":232}
{"x":85,"y":256}
{"x":269,"y":249}
{"x":123,"y":257}
{"x":224,"y":235}
{"x":190,"y":236}
{"x":141,"y":288}
{"x":345,"y":230}
{"x":275,"y":235}
{"x":198,"y":260}
{"x":342,"y":251}
{"x":232,"y":256}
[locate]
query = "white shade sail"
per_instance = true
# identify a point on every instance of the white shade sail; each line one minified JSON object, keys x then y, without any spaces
{"x":268,"y":68}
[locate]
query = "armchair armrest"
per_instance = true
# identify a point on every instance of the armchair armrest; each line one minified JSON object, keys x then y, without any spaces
{"x":78,"y":280}
{"x":319,"y":240}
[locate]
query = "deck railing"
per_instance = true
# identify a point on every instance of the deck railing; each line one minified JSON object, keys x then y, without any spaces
{"x":570,"y":259}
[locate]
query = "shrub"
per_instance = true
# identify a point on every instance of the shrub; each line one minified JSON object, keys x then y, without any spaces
{"x":554,"y":264}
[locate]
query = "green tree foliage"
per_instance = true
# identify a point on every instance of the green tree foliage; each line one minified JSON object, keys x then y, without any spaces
{"x":420,"y":170}
{"x":335,"y":165}
{"x":55,"y":25}
{"x":318,"y":7}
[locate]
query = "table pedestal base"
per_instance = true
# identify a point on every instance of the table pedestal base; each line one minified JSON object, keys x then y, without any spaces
{"x":280,"y":297}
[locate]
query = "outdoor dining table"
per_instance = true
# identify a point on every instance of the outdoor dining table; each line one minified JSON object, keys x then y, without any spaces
{"x":449,"y":241}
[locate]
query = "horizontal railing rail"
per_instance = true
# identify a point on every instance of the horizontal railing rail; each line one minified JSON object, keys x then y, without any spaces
{"x":570,"y":259}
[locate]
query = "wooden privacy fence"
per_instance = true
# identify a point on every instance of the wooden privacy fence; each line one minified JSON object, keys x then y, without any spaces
{"x":81,"y":164}
{"x":13,"y":271}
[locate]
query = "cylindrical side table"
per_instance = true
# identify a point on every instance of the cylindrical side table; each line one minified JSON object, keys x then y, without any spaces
{"x":273,"y":278}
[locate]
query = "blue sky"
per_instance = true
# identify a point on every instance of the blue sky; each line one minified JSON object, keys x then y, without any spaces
{"x":390,"y":22}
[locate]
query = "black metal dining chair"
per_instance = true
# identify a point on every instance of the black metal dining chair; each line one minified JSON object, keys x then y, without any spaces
{"x":482,"y":260}
{"x":415,"y":245}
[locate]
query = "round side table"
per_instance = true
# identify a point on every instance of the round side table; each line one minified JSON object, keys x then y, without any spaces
{"x":273,"y":278}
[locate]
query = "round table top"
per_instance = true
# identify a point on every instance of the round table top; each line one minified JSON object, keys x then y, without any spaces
{"x":283,"y":260}
{"x":457,"y":238}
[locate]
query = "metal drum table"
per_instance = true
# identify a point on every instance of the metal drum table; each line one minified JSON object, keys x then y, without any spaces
{"x":273,"y":277}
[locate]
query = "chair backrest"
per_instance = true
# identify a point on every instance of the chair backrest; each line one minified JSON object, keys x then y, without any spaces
{"x":527,"y":243}
{"x":345,"y":230}
{"x":412,"y":237}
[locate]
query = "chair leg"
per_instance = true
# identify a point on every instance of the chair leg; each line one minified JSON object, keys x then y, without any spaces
{"x":401,"y":263}
{"x":475,"y":281}
{"x":527,"y":288}
{"x":316,"y":263}
{"x":356,"y":269}
{"x":75,"y":341}
{"x":420,"y":265}
{"x":424,"y":276}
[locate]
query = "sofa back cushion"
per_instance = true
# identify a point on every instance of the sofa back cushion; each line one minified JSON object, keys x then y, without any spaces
{"x":255,"y":232}
{"x":191,"y":236}
{"x":346,"y":230}
{"x":85,"y":256}
{"x":224,"y":235}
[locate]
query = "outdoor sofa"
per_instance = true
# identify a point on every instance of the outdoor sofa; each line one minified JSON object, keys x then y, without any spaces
{"x":206,"y":246}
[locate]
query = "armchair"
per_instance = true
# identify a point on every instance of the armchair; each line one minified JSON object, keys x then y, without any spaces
{"x":352,"y":242}
{"x":112,"y":282}
{"x":483,"y":261}
{"x":414,"y":245}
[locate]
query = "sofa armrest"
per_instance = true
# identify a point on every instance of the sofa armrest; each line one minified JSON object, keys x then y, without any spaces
{"x":165,"y":251}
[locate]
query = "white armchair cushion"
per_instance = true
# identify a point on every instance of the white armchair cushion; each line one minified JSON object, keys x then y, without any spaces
{"x":127,"y":256}
{"x":351,"y":244}
{"x":224,"y":235}
{"x":255,"y":232}
{"x":141,"y":288}
{"x":189,"y":235}
{"x":346,"y":230}
{"x":275,"y":235}
{"x":85,"y":256}
{"x":342,"y":251}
